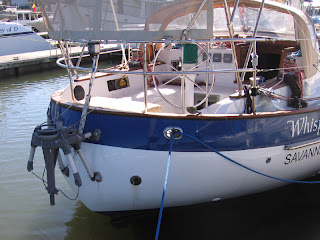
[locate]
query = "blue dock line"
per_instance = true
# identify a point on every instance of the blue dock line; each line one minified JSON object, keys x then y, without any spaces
{"x":164,"y":187}
{"x":241,"y":165}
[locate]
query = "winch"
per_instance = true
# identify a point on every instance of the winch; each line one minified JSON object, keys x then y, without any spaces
{"x":52,"y":137}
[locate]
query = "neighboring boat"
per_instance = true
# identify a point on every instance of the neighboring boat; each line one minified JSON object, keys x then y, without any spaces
{"x":15,"y":39}
{"x":232,"y":134}
{"x":6,"y":13}
{"x":38,"y":25}
{"x":25,"y":17}
{"x":30,"y":19}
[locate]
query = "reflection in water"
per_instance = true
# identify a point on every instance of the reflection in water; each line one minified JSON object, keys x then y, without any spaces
{"x":86,"y":224}
{"x":23,"y":204}
{"x":290,"y":212}
{"x":89,"y":225}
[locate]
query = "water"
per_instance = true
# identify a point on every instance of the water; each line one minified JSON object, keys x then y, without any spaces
{"x":291,"y":212}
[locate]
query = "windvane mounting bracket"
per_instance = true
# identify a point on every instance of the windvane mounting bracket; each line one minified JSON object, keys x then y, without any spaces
{"x":52,"y":137}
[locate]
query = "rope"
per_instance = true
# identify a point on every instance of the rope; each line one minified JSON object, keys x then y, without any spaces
{"x":45,"y":182}
{"x":278,"y":96}
{"x":243,"y":166}
{"x":164,"y":187}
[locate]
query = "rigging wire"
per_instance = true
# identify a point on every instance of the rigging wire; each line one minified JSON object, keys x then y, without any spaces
{"x":56,"y":118}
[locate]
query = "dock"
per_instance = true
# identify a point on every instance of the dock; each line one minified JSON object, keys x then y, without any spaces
{"x":23,"y":63}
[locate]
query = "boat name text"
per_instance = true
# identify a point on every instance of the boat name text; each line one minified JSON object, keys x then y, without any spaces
{"x":301,"y":155}
{"x":304,"y":125}
{"x":8,"y":30}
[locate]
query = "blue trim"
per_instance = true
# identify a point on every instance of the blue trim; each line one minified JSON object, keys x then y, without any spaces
{"x":226,"y":134}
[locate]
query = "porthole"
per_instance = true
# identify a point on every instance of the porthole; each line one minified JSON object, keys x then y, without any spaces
{"x":78,"y":92}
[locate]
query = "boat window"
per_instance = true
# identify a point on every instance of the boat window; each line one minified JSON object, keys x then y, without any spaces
{"x":216,"y":57}
{"x":312,"y":35}
{"x":227,"y":58}
{"x":182,"y":22}
{"x":272,"y":24}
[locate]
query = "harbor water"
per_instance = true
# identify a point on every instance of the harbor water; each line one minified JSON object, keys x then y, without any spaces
{"x":291,"y":212}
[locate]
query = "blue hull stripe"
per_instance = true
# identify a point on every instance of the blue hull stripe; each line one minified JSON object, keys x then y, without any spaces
{"x":226,"y":134}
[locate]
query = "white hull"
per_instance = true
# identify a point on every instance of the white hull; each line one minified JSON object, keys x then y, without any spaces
{"x":193,"y":177}
{"x":15,"y":39}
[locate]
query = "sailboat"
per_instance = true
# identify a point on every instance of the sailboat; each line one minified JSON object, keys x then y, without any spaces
{"x":219,"y":99}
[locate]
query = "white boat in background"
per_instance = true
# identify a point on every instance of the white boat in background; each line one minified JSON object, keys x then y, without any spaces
{"x":5,"y":13}
{"x":214,"y":95}
{"x":25,"y":17}
{"x":15,"y":39}
{"x":38,"y":25}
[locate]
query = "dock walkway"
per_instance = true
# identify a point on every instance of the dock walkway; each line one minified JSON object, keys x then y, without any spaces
{"x":15,"y":64}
